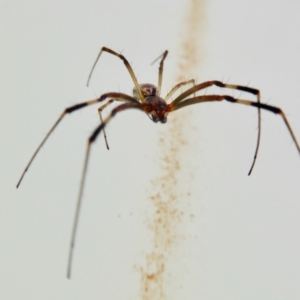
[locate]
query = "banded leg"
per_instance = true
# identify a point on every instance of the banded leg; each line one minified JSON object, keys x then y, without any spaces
{"x":246,"y":89}
{"x":210,"y":98}
{"x":100,"y":109}
{"x":91,"y":140}
{"x":69,"y":110}
{"x":127,"y":65}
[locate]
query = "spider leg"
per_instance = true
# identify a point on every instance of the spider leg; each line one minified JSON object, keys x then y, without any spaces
{"x":161,"y":69}
{"x":101,"y":119}
{"x":177,"y":86}
{"x":91,"y":140}
{"x":127,"y":65}
{"x":69,"y":110}
{"x":255,"y":92}
{"x":210,"y":98}
{"x":100,"y":109}
{"x":246,"y":89}
{"x":207,"y":84}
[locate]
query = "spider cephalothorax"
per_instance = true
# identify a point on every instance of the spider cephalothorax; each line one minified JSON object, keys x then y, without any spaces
{"x":146,"y":98}
{"x":155,"y":106}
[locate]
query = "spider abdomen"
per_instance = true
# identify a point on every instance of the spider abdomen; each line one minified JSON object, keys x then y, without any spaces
{"x":147,"y":89}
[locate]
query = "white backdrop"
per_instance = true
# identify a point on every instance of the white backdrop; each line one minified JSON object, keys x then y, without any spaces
{"x":238,"y":237}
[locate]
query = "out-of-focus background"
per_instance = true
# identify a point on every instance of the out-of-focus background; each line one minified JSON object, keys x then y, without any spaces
{"x":237,"y":237}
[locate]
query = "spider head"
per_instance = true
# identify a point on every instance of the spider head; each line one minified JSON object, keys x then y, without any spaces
{"x":157,"y":109}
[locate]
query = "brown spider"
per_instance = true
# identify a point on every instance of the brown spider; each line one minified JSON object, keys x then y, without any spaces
{"x":146,"y":98}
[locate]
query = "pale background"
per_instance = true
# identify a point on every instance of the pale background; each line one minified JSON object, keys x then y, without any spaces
{"x":243,"y":240}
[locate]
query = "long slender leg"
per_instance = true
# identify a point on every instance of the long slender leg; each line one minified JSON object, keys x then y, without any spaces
{"x":207,"y":84}
{"x":91,"y":140}
{"x":101,"y":119}
{"x":210,"y":98}
{"x":69,"y":110}
{"x":177,"y":86}
{"x":246,"y":89}
{"x":100,"y":109}
{"x":161,"y":69}
{"x":127,"y":65}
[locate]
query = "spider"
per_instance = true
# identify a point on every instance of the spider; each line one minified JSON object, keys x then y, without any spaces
{"x":146,"y":98}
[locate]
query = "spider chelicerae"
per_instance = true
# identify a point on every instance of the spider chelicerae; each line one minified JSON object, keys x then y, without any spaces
{"x":146,"y":98}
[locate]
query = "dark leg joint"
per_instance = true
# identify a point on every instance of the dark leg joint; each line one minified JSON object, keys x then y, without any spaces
{"x":230,"y":99}
{"x":247,"y":89}
{"x":273,"y":109}
{"x":96,"y":133}
{"x":75,"y":107}
{"x":218,"y":83}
